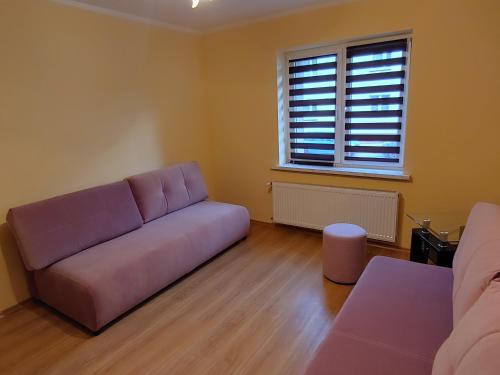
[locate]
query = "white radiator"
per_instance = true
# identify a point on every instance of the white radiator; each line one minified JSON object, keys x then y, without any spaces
{"x":315,"y":207}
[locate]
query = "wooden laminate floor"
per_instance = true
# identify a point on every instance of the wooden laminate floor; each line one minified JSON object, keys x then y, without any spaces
{"x":262,"y":307}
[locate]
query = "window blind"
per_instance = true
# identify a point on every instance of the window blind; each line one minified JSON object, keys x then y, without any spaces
{"x":312,"y":109}
{"x":374,"y":102}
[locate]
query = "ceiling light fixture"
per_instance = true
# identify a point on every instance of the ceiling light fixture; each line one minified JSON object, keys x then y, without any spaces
{"x":196,"y":3}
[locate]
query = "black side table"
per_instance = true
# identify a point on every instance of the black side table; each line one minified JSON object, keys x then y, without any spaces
{"x":425,"y":246}
{"x":436,"y":237}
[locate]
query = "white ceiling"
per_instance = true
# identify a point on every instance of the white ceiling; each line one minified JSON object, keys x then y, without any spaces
{"x":208,"y":16}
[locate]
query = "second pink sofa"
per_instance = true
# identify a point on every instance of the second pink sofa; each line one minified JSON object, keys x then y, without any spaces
{"x":415,"y":319}
{"x":97,"y":253}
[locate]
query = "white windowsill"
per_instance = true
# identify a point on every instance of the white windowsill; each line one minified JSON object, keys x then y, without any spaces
{"x":354,"y":172}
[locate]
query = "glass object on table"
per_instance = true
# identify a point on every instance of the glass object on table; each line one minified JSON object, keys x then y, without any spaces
{"x":447,"y":227}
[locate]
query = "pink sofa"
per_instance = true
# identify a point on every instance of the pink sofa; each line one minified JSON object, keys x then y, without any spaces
{"x":410,"y":318}
{"x":97,"y":253}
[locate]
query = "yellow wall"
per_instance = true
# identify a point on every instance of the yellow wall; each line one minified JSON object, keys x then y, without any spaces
{"x":453,"y":131}
{"x":87,"y":99}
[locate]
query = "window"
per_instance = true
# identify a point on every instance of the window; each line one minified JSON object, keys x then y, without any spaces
{"x":345,"y":105}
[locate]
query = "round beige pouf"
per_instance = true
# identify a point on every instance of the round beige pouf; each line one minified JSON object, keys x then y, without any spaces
{"x":344,"y":252}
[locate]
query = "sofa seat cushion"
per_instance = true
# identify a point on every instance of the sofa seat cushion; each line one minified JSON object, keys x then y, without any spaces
{"x":394,"y":321}
{"x":98,"y":284}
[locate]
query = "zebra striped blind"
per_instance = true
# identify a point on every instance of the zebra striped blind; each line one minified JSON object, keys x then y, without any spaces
{"x":374,"y":101}
{"x":346,"y":104}
{"x":312,"y":109}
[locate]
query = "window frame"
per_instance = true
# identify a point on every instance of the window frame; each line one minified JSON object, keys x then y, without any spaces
{"x":340,"y":49}
{"x":332,"y":49}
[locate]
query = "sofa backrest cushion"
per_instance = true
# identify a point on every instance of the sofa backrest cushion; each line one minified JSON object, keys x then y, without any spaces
{"x":166,"y":190}
{"x":474,"y":344}
{"x":53,"y":229}
{"x":477,"y":260}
